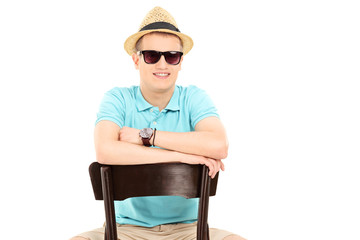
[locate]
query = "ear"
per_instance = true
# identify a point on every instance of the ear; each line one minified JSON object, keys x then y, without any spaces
{"x":136,"y":59}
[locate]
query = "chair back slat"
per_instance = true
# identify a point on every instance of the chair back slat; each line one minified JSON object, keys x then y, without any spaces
{"x":165,"y":179}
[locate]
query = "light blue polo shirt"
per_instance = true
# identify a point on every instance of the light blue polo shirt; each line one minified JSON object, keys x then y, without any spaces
{"x":127,"y":107}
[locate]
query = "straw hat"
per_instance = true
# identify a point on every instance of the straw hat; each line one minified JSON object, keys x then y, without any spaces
{"x":158,"y":20}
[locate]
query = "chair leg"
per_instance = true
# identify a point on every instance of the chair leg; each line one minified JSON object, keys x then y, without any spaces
{"x":106,"y":181}
{"x":202,"y":226}
{"x":106,"y":234}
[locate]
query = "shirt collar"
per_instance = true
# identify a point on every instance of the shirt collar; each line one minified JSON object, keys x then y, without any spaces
{"x":142,"y":104}
{"x":173,"y":105}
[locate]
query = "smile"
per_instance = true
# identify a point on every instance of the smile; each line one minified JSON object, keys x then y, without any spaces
{"x":162,"y":75}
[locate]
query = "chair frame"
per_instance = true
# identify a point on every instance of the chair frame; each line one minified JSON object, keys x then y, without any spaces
{"x":111,"y":182}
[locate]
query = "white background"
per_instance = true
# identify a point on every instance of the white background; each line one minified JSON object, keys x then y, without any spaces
{"x":284,"y":75}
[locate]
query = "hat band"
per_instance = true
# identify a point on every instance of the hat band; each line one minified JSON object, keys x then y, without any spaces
{"x":160,"y":25}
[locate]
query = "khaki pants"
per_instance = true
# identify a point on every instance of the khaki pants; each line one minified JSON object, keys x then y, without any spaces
{"x":180,"y":231}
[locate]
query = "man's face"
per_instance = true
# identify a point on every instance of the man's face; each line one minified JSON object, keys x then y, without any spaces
{"x":161,"y":76}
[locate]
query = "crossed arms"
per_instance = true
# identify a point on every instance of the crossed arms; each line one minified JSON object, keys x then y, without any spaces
{"x":206,"y":145}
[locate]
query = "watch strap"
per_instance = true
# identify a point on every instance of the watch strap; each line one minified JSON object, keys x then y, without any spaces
{"x":146,"y":141}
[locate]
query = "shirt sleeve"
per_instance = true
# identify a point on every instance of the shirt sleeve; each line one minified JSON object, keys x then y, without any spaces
{"x":201,"y":106}
{"x":112,"y":108}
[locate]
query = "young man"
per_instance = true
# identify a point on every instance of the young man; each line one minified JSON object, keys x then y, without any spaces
{"x":180,"y":123}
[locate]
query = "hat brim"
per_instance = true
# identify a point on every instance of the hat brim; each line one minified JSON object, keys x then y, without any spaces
{"x":130,"y":43}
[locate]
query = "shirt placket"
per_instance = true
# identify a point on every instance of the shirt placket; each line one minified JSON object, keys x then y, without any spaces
{"x":155,"y":123}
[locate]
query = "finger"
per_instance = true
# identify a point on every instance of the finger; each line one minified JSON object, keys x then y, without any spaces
{"x":211,"y":166}
{"x":218,"y":166}
{"x":222,"y":166}
{"x":206,"y":163}
{"x":215,"y":168}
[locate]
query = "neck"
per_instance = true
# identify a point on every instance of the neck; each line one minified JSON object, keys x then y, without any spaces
{"x":157,"y":99}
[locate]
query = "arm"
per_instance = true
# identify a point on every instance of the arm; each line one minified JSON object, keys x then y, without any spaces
{"x":110,"y":150}
{"x":209,"y":139}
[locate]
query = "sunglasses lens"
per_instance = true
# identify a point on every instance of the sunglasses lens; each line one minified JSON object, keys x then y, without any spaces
{"x":151,"y":57}
{"x":172,"y":58}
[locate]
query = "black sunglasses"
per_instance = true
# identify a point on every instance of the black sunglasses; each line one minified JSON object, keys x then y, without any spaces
{"x":152,"y":57}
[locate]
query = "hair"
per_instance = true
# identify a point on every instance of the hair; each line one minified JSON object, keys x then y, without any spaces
{"x":138,"y":43}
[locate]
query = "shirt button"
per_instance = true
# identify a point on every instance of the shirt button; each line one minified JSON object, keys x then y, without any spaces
{"x":151,"y":110}
{"x":154,"y":123}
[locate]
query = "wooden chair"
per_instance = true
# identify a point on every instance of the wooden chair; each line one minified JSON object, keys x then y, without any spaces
{"x":118,"y":182}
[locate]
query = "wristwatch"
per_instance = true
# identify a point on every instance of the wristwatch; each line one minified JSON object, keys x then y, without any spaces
{"x":146,"y":134}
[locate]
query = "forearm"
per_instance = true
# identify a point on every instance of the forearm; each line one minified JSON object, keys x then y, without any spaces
{"x":123,"y":153}
{"x":209,"y":139}
{"x":202,"y":143}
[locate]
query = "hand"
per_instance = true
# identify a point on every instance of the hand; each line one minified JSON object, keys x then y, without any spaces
{"x":217,"y":165}
{"x":130,"y":135}
{"x":214,"y":165}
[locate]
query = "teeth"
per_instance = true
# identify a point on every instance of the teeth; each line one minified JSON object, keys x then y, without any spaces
{"x":161,"y":74}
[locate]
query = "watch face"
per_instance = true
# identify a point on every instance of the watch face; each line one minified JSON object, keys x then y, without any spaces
{"x":146,"y":133}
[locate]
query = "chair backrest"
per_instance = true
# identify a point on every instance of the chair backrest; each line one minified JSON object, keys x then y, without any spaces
{"x":118,"y":182}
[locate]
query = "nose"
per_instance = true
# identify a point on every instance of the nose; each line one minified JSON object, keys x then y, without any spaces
{"x":162,"y":64}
